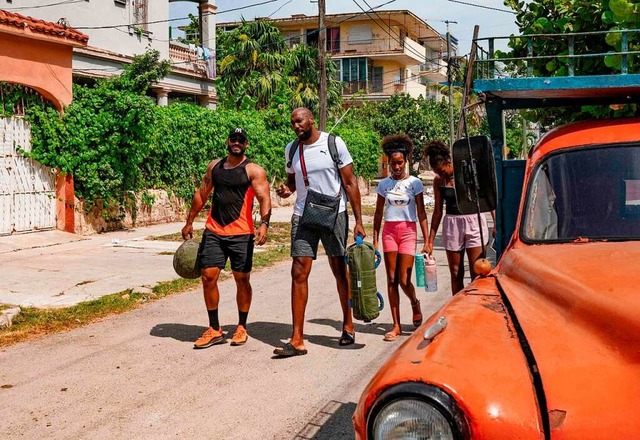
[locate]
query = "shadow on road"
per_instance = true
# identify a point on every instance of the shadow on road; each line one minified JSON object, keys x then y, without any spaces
{"x":333,"y":422}
{"x":270,"y":333}
{"x":180,"y":332}
{"x":371,"y":327}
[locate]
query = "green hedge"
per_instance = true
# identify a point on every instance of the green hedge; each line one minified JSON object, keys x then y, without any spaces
{"x":115,"y":142}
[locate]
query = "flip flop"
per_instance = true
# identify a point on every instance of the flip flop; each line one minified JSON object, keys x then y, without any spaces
{"x":289,"y":350}
{"x":390,"y":337}
{"x":417,"y":317}
{"x":347,"y":338}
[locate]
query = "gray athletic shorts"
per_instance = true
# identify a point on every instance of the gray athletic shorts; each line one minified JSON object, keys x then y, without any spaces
{"x":304,"y":241}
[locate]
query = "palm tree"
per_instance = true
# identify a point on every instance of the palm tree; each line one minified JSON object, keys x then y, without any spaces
{"x":303,"y":79}
{"x":251,"y":60}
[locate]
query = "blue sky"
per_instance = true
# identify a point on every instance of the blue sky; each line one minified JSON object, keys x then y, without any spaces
{"x":492,"y":22}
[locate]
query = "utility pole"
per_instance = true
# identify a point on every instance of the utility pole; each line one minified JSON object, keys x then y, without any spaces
{"x":322,"y":88}
{"x":450,"y":81}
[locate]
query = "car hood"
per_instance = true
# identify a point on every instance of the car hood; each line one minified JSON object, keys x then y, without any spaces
{"x":477,"y":360}
{"x":579,"y":308}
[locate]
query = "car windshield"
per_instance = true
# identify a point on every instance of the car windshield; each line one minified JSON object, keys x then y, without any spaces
{"x":585,"y":193}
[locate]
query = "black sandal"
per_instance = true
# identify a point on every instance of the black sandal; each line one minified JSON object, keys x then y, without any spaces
{"x":347,"y":338}
{"x":289,"y":350}
{"x":417,"y":317}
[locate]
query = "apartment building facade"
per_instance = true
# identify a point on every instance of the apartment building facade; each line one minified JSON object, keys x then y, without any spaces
{"x":376,"y":54}
{"x":120,"y":29}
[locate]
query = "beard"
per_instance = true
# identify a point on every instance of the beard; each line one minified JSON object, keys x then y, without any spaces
{"x":305,"y":136}
{"x":235,"y":153}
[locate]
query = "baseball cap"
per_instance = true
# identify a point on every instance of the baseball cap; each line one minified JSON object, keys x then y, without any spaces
{"x":238,"y":132}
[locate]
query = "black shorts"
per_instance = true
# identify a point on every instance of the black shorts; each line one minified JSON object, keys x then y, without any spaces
{"x":215,"y":249}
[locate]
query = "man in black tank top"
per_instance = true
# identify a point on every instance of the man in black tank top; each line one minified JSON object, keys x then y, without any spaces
{"x":229,"y":232}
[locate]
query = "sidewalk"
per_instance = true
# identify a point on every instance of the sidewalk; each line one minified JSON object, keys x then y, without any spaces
{"x":58,"y":269}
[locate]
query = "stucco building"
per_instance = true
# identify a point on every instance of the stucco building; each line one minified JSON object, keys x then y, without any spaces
{"x":376,"y":54}
{"x":120,"y":29}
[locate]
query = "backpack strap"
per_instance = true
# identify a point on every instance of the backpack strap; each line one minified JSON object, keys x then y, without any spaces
{"x":333,"y":150}
{"x":292,"y":151}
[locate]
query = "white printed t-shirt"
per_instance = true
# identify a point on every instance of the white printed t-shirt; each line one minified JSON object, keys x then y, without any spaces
{"x":322,"y":171}
{"x":400,"y":198}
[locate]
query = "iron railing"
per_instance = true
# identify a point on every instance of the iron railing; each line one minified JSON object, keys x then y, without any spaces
{"x":488,"y":61}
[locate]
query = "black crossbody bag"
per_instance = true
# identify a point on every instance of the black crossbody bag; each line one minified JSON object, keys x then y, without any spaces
{"x":320,"y":210}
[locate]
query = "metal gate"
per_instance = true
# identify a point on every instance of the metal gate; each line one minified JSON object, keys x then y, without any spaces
{"x":27,"y":188}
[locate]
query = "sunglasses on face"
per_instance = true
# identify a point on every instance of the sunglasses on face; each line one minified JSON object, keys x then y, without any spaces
{"x":239,"y":139}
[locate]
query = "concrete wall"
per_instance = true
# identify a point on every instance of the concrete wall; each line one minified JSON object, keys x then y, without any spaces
{"x":164,"y":209}
{"x":95,"y":13}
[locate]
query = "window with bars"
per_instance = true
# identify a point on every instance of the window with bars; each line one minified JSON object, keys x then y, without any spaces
{"x":332,"y":42}
{"x":354,"y":73}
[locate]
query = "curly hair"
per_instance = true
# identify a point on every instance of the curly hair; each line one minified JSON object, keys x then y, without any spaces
{"x":438,"y":152}
{"x":397,"y":143}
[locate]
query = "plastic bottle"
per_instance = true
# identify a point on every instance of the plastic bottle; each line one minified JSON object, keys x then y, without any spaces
{"x":431,"y":273}
{"x":419,"y":262}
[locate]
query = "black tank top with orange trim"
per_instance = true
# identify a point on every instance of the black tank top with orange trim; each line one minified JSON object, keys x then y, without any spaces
{"x":231,"y":201}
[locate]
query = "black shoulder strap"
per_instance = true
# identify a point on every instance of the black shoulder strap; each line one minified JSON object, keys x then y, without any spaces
{"x":292,"y":151}
{"x":333,"y":151}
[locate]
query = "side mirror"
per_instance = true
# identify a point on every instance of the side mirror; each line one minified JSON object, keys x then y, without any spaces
{"x":465,"y":183}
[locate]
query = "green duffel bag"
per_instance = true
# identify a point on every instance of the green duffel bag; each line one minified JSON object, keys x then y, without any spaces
{"x":363,"y":260}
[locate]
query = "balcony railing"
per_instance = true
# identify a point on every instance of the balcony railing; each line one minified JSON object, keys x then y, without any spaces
{"x":187,"y":58}
{"x":370,"y":88}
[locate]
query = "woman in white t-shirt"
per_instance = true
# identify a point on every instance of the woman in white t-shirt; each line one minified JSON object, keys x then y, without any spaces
{"x":400,"y":196}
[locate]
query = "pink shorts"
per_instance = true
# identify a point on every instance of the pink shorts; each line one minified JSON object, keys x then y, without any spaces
{"x":399,"y":237}
{"x":462,"y":232}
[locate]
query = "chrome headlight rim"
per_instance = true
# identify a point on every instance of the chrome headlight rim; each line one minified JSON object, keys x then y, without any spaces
{"x":432,"y":395}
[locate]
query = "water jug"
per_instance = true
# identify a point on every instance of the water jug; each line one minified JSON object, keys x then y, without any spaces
{"x":431,"y":273}
{"x":420,"y":279}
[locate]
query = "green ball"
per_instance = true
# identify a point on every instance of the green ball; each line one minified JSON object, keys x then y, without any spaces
{"x":185,"y":260}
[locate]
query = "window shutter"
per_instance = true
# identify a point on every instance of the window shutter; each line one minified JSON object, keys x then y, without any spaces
{"x":360,"y":34}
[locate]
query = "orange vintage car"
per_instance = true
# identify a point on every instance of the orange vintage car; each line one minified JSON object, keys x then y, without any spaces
{"x":548,"y":345}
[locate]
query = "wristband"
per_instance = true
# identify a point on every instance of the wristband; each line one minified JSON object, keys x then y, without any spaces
{"x":264,"y":222}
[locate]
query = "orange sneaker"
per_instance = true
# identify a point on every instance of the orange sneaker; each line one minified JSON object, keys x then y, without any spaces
{"x":209,"y":337}
{"x":240,"y":336}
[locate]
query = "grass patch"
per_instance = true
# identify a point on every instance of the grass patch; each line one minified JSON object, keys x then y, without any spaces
{"x":279,"y":233}
{"x":33,"y":322}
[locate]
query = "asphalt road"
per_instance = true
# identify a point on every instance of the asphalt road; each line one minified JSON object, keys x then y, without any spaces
{"x":137,"y":376}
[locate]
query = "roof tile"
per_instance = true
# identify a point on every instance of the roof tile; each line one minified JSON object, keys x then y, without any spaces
{"x":41,"y":26}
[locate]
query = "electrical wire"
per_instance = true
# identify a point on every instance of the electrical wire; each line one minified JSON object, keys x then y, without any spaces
{"x":176,"y":19}
{"x":274,"y":12}
{"x":483,"y":7}
{"x":22,"y":8}
{"x":409,"y":48}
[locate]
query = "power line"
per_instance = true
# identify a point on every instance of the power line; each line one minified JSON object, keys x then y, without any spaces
{"x":175,"y":19}
{"x":274,"y":12}
{"x":483,"y":7}
{"x":22,"y":8}
{"x":409,"y":48}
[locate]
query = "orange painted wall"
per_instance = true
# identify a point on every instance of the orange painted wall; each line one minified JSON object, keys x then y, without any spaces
{"x":41,"y":65}
{"x":65,"y":201}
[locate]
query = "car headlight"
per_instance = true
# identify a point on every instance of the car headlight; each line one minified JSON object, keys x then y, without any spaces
{"x":416,"y":411}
